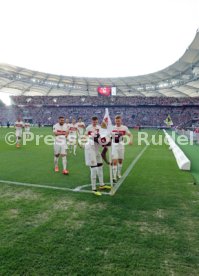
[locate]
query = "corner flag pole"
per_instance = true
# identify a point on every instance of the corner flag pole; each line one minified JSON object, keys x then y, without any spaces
{"x":110,"y":166}
{"x":108,"y":123}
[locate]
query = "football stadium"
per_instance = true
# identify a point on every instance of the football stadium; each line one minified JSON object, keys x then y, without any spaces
{"x":100,"y":175}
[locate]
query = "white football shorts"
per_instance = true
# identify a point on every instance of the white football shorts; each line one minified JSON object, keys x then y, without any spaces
{"x":19,"y":133}
{"x":60,"y":149}
{"x":27,"y":129}
{"x":92,"y":155}
{"x":117,"y":151}
{"x":72,"y":139}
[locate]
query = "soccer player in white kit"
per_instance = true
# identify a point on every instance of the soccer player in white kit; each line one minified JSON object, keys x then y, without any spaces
{"x":72,"y":137}
{"x":117,"y":133}
{"x":60,"y":131}
{"x":94,"y":161}
{"x":27,"y":127}
{"x":67,"y":122}
{"x":19,"y":130}
{"x":81,"y":126}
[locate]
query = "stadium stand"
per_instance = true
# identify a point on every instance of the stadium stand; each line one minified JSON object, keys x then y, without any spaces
{"x":142,"y":100}
{"x":104,"y":101}
{"x":45,"y":110}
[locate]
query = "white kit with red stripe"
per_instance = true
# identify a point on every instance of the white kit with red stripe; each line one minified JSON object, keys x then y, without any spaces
{"x":61,"y":131}
{"x":92,"y":130}
{"x":73,"y":128}
{"x":19,"y":125}
{"x":118,"y":132}
{"x":27,"y":127}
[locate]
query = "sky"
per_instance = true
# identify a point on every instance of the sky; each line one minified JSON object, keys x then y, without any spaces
{"x":96,"y":38}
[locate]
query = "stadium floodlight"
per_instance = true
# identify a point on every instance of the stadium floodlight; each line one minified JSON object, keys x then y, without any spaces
{"x":5,"y":98}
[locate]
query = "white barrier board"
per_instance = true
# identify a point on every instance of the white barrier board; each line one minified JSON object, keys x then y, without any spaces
{"x":183,"y":162}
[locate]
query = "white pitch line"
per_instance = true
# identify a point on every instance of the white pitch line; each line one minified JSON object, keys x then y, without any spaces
{"x":35,"y":185}
{"x":87,"y":185}
{"x":79,"y":188}
{"x":89,"y":192}
{"x":124,"y":176}
{"x":49,"y":187}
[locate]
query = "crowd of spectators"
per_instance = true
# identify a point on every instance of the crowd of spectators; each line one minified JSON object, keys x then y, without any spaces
{"x":101,"y":100}
{"x":142,"y":111}
{"x":132,"y":116}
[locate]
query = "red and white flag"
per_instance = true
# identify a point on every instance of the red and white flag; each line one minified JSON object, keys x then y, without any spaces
{"x":106,"y":126}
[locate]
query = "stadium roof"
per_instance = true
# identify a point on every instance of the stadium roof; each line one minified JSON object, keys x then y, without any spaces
{"x":180,"y":79}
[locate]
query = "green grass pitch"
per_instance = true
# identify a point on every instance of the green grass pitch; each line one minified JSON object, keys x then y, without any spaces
{"x":149,"y":227}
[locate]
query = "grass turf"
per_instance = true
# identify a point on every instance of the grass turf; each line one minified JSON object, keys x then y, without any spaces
{"x":34,"y":164}
{"x":192,"y":152}
{"x":150,"y":227}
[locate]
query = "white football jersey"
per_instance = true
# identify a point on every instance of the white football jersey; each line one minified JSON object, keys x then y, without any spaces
{"x":27,"y":125}
{"x":61,"y":130}
{"x":73,"y":128}
{"x":68,"y":125}
{"x":92,"y":131}
{"x":19,"y":125}
{"x":81,"y":127}
{"x":118,"y":132}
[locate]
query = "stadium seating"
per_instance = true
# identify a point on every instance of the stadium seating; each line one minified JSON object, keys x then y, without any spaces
{"x":83,"y":100}
{"x":136,"y":111}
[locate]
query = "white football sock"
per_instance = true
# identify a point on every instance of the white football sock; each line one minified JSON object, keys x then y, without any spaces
{"x":93,"y":177}
{"x":74,"y":149}
{"x":119,"y":168}
{"x":115,"y":171}
{"x":56,"y":161}
{"x":100,"y":175}
{"x":64,"y":162}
